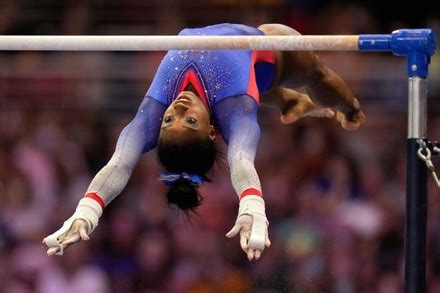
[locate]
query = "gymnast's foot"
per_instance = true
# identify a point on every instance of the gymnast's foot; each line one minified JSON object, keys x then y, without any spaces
{"x":351,"y":121}
{"x":296,"y":105}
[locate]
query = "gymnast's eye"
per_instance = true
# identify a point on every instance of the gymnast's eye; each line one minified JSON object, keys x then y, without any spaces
{"x":191,"y":120}
{"x":168,"y":119}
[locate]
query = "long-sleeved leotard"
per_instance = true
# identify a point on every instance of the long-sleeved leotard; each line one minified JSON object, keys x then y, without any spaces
{"x":229,"y":83}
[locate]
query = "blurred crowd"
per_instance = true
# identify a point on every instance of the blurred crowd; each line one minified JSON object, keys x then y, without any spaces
{"x":335,"y":200}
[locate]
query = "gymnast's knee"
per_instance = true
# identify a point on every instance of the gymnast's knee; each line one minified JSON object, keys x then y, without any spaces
{"x":277,"y":29}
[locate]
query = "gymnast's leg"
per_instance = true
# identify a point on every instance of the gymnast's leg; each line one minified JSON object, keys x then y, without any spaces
{"x":323,"y":85}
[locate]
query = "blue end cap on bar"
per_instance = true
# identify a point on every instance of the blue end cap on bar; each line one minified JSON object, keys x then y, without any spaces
{"x":406,"y":41}
{"x":417,"y":44}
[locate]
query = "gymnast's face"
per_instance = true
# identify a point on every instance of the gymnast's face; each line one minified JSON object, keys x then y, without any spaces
{"x":186,"y":118}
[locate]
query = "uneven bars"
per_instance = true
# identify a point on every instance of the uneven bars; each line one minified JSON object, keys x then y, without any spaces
{"x":397,"y":42}
{"x":163,"y":43}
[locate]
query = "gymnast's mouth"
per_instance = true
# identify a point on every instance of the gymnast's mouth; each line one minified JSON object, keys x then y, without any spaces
{"x":184,"y":98}
{"x":183,"y":101}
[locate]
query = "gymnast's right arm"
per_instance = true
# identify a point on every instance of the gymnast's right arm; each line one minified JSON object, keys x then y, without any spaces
{"x":138,"y":137}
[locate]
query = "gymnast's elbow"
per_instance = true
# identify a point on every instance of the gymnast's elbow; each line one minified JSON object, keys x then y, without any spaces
{"x":120,"y":166}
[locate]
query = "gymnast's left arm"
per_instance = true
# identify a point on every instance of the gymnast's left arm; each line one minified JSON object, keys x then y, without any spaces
{"x":240,"y":130}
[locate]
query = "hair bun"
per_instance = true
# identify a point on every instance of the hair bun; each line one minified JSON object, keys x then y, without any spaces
{"x":184,"y":195}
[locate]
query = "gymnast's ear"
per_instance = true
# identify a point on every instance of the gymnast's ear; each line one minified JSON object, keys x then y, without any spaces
{"x":211,"y":132}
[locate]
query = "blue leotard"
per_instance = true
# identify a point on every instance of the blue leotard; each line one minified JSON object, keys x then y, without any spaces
{"x":215,"y":74}
{"x":229,"y":83}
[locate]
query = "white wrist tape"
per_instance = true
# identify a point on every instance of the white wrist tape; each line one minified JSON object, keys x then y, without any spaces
{"x":88,"y":210}
{"x":252,"y":204}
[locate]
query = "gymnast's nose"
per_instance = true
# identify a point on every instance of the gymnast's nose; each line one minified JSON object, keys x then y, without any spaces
{"x":180,"y":108}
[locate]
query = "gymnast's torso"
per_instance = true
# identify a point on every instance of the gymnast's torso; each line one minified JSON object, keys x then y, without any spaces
{"x":215,"y":74}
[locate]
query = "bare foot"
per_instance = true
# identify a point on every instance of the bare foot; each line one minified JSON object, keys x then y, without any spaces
{"x":299,"y":105}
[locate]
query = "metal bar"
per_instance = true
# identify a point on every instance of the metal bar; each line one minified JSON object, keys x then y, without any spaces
{"x":416,"y":190}
{"x":163,"y":43}
{"x":417,"y":103}
{"x":415,"y":221}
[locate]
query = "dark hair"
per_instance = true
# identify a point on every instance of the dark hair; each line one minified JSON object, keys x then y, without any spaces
{"x":194,"y":157}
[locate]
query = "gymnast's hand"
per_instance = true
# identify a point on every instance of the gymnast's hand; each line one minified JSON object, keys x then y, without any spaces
{"x":76,"y":232}
{"x":252,"y":225}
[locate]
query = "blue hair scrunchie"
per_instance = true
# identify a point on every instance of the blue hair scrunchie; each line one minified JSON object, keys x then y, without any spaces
{"x":170,"y":178}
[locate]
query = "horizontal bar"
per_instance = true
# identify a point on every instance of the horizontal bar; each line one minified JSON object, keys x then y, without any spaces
{"x":164,"y":43}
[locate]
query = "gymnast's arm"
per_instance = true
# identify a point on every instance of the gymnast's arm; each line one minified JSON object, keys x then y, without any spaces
{"x":236,"y":118}
{"x":138,"y":137}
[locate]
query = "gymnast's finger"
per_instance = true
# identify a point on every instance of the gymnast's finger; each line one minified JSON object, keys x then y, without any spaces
{"x":267,"y":242}
{"x":52,"y":250}
{"x":234,"y":231}
{"x":73,"y":239}
{"x":257,"y":254}
{"x":83,"y":234}
{"x":243,"y":242}
{"x":250,"y":254}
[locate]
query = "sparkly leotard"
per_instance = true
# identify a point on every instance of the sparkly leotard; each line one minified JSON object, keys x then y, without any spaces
{"x":229,"y":82}
{"x":215,"y":74}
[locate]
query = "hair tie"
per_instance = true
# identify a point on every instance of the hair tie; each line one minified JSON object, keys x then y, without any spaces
{"x":169,"y":178}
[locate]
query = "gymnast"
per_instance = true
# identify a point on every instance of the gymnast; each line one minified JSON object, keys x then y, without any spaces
{"x":196,"y":94}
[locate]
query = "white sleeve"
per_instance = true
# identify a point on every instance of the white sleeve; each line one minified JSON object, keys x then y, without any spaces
{"x":236,"y":118}
{"x":138,"y":137}
{"x":241,"y":155}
